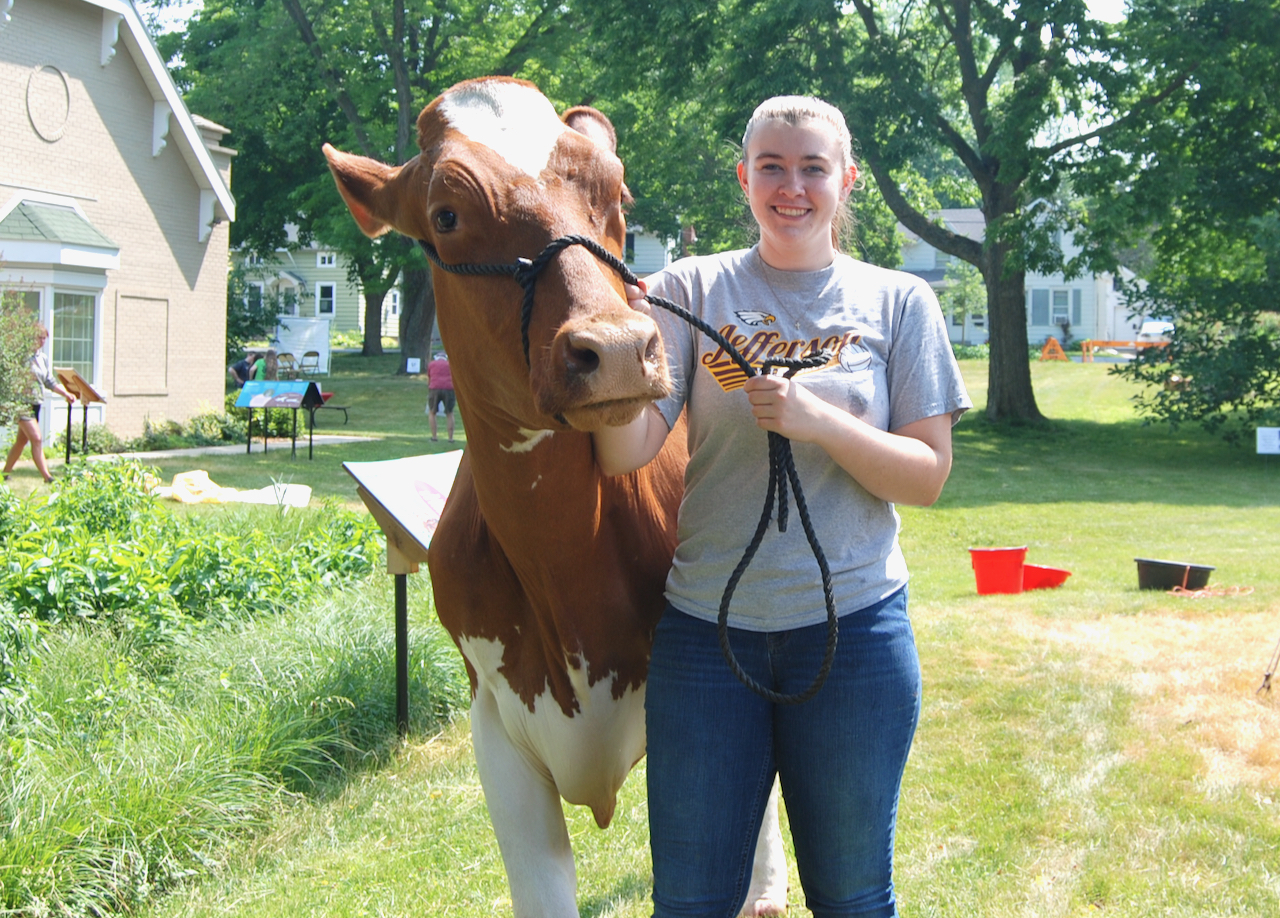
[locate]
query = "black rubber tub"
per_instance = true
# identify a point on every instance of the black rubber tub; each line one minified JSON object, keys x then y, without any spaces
{"x":1165,"y":575}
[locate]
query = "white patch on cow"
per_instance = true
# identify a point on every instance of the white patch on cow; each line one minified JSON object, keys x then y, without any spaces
{"x":588,"y":755}
{"x":535,"y":482}
{"x":531,"y":439}
{"x":516,"y":122}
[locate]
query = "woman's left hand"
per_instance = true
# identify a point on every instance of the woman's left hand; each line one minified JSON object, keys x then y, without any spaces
{"x":781,"y":406}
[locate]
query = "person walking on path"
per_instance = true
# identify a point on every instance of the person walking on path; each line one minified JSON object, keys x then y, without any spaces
{"x":440,"y":395}
{"x":29,"y":421}
{"x":870,"y":428}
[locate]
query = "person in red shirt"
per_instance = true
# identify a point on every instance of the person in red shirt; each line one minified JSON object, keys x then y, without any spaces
{"x":440,"y":393}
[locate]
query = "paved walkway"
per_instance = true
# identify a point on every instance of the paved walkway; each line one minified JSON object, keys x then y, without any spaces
{"x":275,"y":444}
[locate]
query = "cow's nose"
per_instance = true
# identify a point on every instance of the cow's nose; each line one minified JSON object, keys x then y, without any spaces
{"x":590,"y":347}
{"x":581,"y":357}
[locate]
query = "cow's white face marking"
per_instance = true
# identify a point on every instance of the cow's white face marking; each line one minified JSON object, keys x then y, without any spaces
{"x":516,"y":122}
{"x":531,"y":439}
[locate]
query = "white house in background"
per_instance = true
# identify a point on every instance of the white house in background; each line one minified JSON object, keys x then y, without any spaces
{"x":645,"y":253}
{"x":316,"y":277}
{"x":1091,"y":304}
{"x":114,"y":209}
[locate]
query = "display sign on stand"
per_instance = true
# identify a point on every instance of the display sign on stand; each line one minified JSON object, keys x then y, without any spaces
{"x":86,"y":395}
{"x":278,"y":393}
{"x":405,"y":498}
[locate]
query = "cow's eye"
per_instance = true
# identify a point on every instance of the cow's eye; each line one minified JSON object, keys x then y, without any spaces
{"x":446,"y":220}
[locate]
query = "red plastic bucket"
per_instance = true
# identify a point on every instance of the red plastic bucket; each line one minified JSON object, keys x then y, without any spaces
{"x":1039,"y":577}
{"x":998,"y":570}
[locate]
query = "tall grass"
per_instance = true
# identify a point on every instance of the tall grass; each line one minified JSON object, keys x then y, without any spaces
{"x":116,"y":782}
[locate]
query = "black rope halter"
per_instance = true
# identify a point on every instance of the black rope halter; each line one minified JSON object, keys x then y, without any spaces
{"x":781,"y":463}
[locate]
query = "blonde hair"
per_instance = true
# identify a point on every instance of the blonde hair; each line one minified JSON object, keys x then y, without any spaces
{"x":795,"y":111}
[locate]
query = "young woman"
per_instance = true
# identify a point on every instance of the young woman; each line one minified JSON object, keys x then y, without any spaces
{"x":869,"y":429}
{"x":29,"y":421}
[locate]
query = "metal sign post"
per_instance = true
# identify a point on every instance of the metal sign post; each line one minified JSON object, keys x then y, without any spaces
{"x":405,"y":498}
{"x":86,"y":395}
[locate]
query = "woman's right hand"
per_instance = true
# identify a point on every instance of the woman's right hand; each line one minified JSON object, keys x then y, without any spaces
{"x":636,"y":297}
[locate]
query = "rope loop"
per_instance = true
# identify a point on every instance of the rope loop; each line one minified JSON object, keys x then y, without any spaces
{"x":782,"y":469}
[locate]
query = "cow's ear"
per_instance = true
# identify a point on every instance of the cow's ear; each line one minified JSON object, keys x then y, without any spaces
{"x":592,"y":123}
{"x":364,"y":184}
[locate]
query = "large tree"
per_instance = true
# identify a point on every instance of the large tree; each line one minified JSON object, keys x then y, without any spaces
{"x":289,"y":75}
{"x":1207,"y":202}
{"x":1013,"y":98}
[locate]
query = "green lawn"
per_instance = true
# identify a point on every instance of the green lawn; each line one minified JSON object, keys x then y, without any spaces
{"x":1093,"y":748}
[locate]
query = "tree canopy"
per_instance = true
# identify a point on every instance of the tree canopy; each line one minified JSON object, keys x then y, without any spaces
{"x":1046,"y":118}
{"x":1208,"y":202}
{"x":1004,"y":106}
{"x":286,"y":76}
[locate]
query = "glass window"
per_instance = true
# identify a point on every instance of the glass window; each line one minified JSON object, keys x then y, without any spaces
{"x":324,"y":299}
{"x":1077,"y":309}
{"x":393,"y":302}
{"x":73,"y":332}
{"x":28,"y":299}
{"x":1059,"y":307}
{"x":253,"y":293}
{"x":629,"y":251}
{"x":326,"y":260}
{"x":1039,"y":307}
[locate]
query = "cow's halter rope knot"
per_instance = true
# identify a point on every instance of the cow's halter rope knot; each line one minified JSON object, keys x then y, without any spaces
{"x":781,"y":464}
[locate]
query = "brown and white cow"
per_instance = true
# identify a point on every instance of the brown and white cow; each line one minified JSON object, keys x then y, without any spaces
{"x":548,"y":575}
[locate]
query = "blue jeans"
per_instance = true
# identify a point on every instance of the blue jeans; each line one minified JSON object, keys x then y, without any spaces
{"x":714,"y":747}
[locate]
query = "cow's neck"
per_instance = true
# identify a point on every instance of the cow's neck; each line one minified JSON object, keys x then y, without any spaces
{"x":530,"y":479}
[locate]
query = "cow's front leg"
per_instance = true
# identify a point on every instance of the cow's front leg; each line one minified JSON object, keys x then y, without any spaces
{"x":767,"y":894}
{"x":524,"y":807}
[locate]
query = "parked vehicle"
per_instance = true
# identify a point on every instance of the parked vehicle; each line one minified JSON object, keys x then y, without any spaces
{"x":1157,"y":330}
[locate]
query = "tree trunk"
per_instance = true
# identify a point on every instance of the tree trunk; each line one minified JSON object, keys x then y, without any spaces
{"x":1009,"y":392}
{"x":373,"y":300}
{"x":417,"y":315}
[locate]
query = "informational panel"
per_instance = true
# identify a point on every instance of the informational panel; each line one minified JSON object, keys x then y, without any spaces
{"x":412,"y":492}
{"x":86,"y":395}
{"x":1268,"y":441}
{"x":78,"y":386}
{"x":279,"y":393}
{"x":296,"y":335}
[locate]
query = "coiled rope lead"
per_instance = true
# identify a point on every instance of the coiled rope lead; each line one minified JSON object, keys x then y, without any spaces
{"x":781,"y":463}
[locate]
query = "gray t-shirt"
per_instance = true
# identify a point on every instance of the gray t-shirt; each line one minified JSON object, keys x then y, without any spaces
{"x":893,"y":366}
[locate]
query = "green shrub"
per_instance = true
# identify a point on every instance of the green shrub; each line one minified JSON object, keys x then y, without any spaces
{"x":17,"y":342}
{"x":101,"y":547}
{"x":103,"y":496}
{"x":17,"y":634}
{"x":99,"y":439}
{"x":971,"y":351}
{"x":207,"y":429}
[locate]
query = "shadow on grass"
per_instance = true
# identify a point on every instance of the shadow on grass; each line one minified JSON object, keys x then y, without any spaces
{"x":1086,"y":461}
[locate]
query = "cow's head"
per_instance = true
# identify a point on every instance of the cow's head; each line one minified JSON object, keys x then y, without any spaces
{"x":499,"y":176}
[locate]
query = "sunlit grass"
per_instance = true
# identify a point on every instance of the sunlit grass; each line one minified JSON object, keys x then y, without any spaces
{"x":1089,"y":749}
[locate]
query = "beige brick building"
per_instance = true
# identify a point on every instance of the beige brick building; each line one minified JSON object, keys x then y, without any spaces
{"x":114,"y":210}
